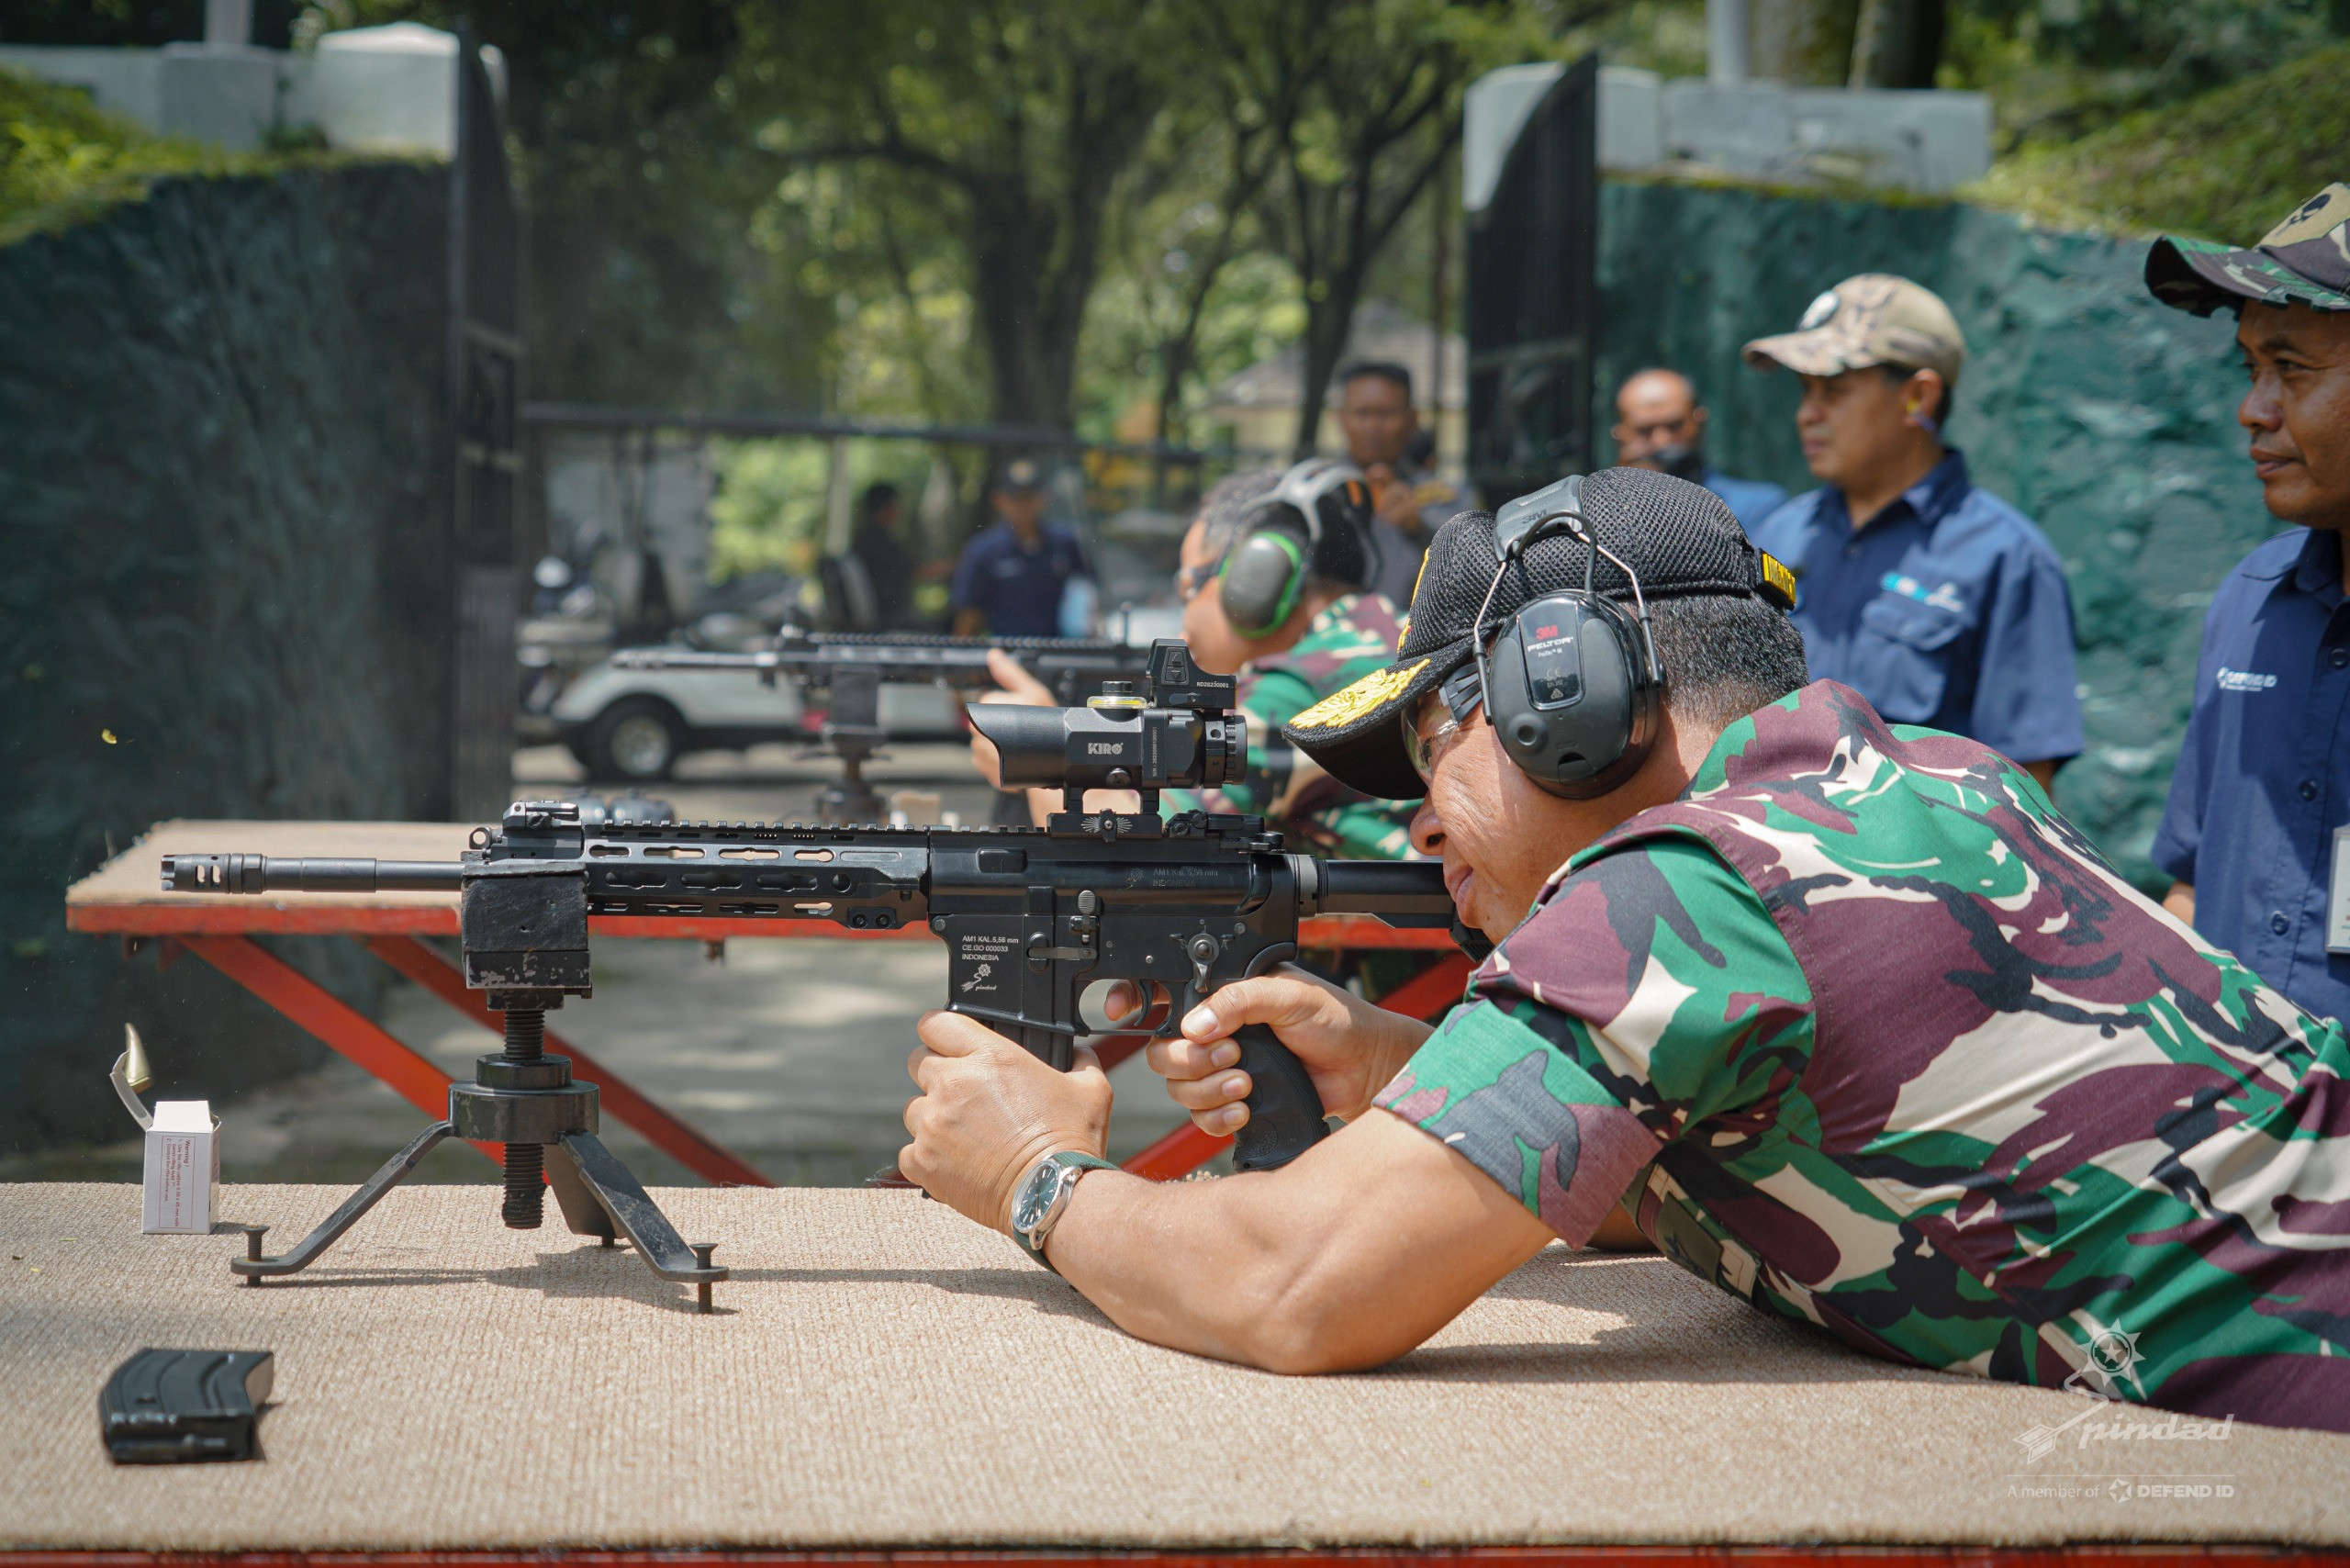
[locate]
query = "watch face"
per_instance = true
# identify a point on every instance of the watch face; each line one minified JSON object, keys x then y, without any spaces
{"x":1035,"y":1198}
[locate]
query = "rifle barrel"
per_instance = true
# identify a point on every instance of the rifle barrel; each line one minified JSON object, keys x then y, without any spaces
{"x":273,"y":873}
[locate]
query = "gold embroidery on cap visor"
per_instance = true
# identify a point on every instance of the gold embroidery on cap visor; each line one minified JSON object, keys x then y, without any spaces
{"x":1345,"y":705}
{"x":1776,"y":577}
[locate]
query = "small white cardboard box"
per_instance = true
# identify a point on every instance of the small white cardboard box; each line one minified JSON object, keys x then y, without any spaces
{"x":182,"y":1170}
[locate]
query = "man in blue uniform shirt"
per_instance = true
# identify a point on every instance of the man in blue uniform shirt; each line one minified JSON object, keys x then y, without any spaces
{"x":2263,"y":786}
{"x":1932,"y":598}
{"x":1659,"y":424}
{"x":1011,"y":577}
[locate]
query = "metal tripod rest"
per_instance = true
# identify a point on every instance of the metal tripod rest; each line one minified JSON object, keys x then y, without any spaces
{"x":853,"y":732}
{"x":525,"y":1099}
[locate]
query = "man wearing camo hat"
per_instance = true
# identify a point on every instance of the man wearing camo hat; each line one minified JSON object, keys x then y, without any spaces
{"x":2257,"y":832}
{"x":1927,"y":594}
{"x":1856,"y":1026}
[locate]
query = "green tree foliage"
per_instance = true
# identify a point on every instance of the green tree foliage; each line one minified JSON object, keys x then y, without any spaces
{"x":1020,"y":123}
{"x":63,"y":163}
{"x":136,"y":23}
{"x":2060,"y":68}
{"x":633,"y":125}
{"x":2223,"y":166}
{"x":1361,"y":100}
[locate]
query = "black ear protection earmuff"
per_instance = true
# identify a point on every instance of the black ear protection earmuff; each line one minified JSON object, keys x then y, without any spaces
{"x":1571,"y":683}
{"x":1264,"y":572}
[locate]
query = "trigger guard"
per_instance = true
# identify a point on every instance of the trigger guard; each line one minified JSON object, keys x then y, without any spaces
{"x":1165,"y":1029}
{"x":1278,"y":953}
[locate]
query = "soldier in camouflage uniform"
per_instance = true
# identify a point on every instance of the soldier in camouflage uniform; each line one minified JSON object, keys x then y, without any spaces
{"x":1338,"y":632}
{"x":1853,"y":1023}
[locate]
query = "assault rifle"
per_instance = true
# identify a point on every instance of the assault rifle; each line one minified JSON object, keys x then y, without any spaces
{"x":854,"y":667}
{"x":1031,"y":917}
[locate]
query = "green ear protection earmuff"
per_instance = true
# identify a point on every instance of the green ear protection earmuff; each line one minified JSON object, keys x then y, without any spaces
{"x":1260,"y":579}
{"x":1264,"y":573}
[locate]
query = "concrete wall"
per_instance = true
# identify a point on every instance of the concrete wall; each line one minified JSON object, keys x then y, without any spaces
{"x":2108,"y":418}
{"x":223,"y":515}
{"x":391,"y":89}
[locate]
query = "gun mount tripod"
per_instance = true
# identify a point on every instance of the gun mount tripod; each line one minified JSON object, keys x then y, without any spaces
{"x":526,"y":945}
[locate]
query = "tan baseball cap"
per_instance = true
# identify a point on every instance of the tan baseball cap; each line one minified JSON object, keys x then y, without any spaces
{"x":1875,"y":318}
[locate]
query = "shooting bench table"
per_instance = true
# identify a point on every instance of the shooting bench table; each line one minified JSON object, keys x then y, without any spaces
{"x":123,"y":898}
{"x":883,"y":1376}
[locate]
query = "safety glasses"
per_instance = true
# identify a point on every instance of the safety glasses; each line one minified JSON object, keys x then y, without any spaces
{"x":1427,"y":749}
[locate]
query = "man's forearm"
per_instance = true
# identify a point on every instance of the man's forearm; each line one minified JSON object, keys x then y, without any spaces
{"x":1293,"y":1270}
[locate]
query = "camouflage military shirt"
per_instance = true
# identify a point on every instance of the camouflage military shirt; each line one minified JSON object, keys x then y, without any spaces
{"x":1903,"y":1057}
{"x":1350,"y":638}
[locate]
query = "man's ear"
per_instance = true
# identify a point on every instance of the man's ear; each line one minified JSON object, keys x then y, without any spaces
{"x":1697,"y":421}
{"x":1920,"y":396}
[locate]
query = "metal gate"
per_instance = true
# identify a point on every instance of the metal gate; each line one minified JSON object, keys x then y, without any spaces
{"x":1532,"y":256}
{"x":485,"y":398}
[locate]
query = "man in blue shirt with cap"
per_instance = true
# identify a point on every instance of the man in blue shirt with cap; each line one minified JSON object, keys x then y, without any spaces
{"x":1011,"y":577}
{"x":2259,"y":809}
{"x":1935,"y":600}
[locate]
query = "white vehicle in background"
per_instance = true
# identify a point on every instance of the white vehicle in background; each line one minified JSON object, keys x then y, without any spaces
{"x":631,"y":726}
{"x":629,"y":723}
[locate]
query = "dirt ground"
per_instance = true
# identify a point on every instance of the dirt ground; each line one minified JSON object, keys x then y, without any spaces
{"x":791,"y":1053}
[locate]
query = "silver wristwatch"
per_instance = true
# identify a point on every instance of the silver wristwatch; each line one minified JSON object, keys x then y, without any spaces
{"x":1043,"y":1198}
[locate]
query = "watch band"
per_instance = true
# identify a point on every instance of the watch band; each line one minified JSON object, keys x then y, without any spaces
{"x":1071,"y":1165}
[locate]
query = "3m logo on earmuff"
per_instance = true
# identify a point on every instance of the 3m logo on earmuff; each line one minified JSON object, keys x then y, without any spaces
{"x":1345,"y":705}
{"x":1778,"y":583}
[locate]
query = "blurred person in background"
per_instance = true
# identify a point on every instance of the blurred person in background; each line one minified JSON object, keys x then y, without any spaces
{"x":1409,"y":503}
{"x":881,"y":547}
{"x":1661,"y":425}
{"x":1285,"y":605}
{"x":1930,"y":595}
{"x":2254,"y":832}
{"x":1015,"y":574}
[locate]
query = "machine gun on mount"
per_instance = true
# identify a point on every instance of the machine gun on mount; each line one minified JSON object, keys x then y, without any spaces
{"x":1031,"y":917}
{"x":854,"y":667}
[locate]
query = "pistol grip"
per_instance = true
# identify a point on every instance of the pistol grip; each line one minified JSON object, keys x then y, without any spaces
{"x":1284,"y":1113}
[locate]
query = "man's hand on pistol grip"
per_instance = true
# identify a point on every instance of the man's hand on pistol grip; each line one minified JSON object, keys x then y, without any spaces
{"x":1350,"y":1046}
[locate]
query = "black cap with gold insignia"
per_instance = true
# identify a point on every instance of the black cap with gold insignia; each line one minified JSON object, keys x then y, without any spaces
{"x":1679,"y":537}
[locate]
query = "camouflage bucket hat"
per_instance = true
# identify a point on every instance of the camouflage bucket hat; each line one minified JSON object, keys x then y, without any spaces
{"x":2305,"y":258}
{"x":1873,"y":319}
{"x":1679,"y":537}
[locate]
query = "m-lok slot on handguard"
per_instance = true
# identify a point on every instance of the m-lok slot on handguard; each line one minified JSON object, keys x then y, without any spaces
{"x":1030,"y":916}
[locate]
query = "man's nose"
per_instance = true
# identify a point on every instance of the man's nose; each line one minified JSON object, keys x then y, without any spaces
{"x":1427,"y":831}
{"x":2259,"y":409}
